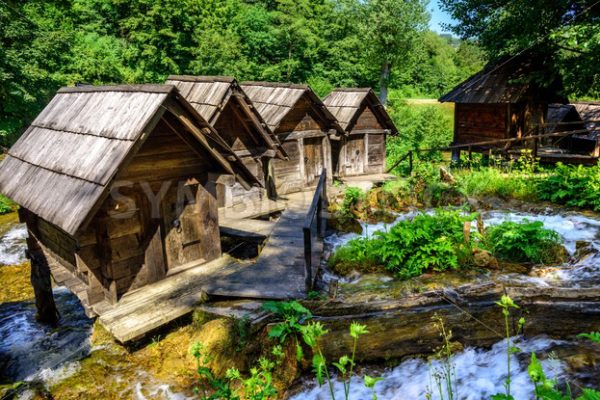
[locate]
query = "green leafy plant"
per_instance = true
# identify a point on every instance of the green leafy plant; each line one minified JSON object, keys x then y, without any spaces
{"x":444,"y":377}
{"x":507,"y":303}
{"x":293,"y":315}
{"x":523,"y":242}
{"x":574,"y":186}
{"x":427,"y":242}
{"x":257,"y":386}
{"x":352,"y":197}
{"x":6,"y":205}
{"x":311,"y":333}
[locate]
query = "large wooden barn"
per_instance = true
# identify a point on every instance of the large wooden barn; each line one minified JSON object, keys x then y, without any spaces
{"x":305,"y":128}
{"x":367,"y":124}
{"x":504,"y":100}
{"x":221,"y":101}
{"x":116,"y":186}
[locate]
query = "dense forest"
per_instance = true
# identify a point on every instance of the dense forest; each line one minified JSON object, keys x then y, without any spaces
{"x":325,"y":43}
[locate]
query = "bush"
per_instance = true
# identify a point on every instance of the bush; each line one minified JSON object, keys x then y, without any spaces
{"x":574,"y":186}
{"x":6,"y":205}
{"x":352,"y":197}
{"x":411,"y":247}
{"x":524,"y":242}
{"x":419,"y":127}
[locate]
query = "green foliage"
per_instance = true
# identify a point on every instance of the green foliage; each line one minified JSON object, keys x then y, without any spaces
{"x":574,"y":186}
{"x":257,"y":386}
{"x":326,"y":43}
{"x":311,"y":333}
{"x":352,"y":196}
{"x":523,"y":242}
{"x":496,"y":182}
{"x":409,"y":248}
{"x":6,"y":205}
{"x":420,"y":127}
{"x":593,"y":336}
{"x":567,"y":30}
{"x":293,"y":315}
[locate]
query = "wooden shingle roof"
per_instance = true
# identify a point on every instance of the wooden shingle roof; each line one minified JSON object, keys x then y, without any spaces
{"x":275,"y":100}
{"x":510,"y":80}
{"x":589,"y":112}
{"x":64,"y":163}
{"x":346,"y":104}
{"x":210,"y":94}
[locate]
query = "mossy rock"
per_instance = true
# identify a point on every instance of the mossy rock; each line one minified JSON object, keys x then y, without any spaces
{"x":219,"y":339}
{"x":345,"y":224}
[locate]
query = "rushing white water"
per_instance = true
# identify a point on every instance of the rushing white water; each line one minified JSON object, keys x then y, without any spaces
{"x":478,"y":374}
{"x":32,"y":351}
{"x":12,"y":245}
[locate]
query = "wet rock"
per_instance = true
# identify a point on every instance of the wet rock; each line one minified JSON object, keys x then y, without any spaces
{"x":484,"y":259}
{"x":583,"y":250}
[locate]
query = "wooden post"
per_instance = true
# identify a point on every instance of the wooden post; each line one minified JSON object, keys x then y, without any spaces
{"x":307,"y":259}
{"x":42,"y":287}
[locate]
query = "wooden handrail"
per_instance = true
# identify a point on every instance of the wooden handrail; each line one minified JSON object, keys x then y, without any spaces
{"x":314,"y":214}
{"x":486,"y":143}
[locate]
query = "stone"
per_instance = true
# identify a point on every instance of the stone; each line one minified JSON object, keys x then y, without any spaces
{"x":484,"y":259}
{"x":446,"y":176}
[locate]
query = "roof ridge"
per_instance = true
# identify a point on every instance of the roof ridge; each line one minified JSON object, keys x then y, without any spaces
{"x":276,"y":84}
{"x":142,"y":88}
{"x":202,"y":78}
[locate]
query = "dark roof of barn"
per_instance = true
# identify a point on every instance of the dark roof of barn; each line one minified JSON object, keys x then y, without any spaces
{"x":346,"y":105}
{"x":64,"y":163}
{"x":274,"y":100}
{"x":209,"y":95}
{"x":510,"y":80}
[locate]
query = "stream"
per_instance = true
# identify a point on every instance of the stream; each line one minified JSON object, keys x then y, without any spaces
{"x":31,"y":352}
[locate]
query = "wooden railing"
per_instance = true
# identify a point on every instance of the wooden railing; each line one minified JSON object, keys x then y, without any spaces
{"x":469,"y":146}
{"x":314,"y":227}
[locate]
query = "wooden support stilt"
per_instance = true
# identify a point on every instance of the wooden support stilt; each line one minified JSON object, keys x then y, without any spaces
{"x":42,"y":286}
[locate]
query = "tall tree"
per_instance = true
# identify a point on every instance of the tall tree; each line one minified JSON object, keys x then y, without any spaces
{"x":390,"y":28}
{"x":569,"y":30}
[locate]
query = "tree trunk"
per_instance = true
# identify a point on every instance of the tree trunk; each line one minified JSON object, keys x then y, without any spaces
{"x":384,"y":79}
{"x":42,"y":287}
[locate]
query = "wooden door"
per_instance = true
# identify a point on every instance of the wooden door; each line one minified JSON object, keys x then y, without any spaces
{"x":182,"y":223}
{"x":355,"y":155}
{"x":313,"y":160}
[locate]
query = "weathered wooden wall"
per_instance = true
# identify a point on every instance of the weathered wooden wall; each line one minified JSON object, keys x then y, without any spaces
{"x":364,"y":149}
{"x":307,"y":147}
{"x":236,"y":132}
{"x":479,"y":122}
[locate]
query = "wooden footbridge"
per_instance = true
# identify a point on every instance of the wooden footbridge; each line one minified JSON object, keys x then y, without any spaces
{"x":285,"y":268}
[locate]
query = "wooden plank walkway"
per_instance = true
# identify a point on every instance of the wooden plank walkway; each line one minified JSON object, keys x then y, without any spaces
{"x":278,"y":273}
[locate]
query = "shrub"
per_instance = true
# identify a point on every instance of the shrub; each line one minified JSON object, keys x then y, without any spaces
{"x":524,"y":242}
{"x":352,"y":197}
{"x":574,"y":186}
{"x":6,"y":205}
{"x":427,"y":242}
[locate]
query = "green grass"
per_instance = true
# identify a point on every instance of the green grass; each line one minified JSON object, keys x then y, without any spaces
{"x":494,"y":182}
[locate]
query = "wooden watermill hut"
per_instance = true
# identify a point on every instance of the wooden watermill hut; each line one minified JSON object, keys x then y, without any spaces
{"x":582,"y":117}
{"x":117,"y":188}
{"x":221,"y":101}
{"x":507,"y":99}
{"x":367,"y":124}
{"x":305,"y":128}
